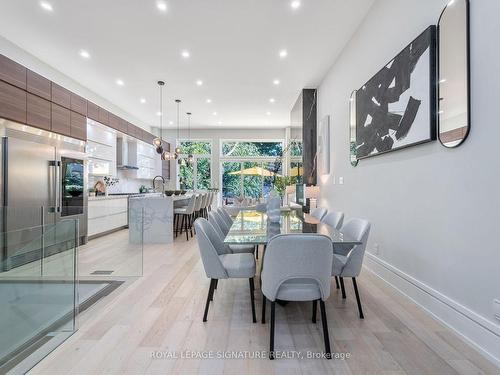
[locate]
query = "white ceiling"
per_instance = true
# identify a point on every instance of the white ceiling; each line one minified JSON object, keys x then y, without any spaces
{"x":234,"y":47}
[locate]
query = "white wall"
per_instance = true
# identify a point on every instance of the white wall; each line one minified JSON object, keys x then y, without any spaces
{"x":435,"y":211}
{"x":24,"y":58}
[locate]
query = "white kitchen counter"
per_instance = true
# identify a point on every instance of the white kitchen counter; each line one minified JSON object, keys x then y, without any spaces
{"x":151,"y":219}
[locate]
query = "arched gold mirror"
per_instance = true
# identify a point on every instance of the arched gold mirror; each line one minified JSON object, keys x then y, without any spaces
{"x":454,"y":74}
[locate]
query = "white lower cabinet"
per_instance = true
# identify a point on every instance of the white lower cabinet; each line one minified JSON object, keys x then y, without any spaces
{"x":106,"y":214}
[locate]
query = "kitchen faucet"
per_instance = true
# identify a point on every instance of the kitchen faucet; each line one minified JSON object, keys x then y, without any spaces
{"x":162,"y":183}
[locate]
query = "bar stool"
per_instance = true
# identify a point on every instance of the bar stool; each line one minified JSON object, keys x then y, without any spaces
{"x":186,"y":213}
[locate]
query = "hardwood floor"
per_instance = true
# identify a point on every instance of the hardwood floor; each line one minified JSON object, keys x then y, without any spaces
{"x":162,"y":311}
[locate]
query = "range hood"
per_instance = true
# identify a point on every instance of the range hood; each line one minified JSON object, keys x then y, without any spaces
{"x":126,"y":154}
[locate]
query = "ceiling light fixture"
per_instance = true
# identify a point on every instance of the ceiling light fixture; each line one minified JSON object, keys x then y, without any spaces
{"x":158,"y":113}
{"x":142,"y":100}
{"x":268,"y":113}
{"x":208,"y":101}
{"x":295,"y":4}
{"x":185,"y":54}
{"x":214,"y":113}
{"x":120,"y":82}
{"x":219,"y":122}
{"x":272,"y":100}
{"x":161,"y":5}
{"x":199,"y":82}
{"x":46,"y":5}
{"x":170,"y":122}
{"x":283,"y":53}
{"x":85,"y":54}
{"x":158,"y":141}
{"x":276,"y":82}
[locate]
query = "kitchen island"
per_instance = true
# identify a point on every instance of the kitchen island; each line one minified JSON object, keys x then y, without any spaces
{"x":151,"y":218}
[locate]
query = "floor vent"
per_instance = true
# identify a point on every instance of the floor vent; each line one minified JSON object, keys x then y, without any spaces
{"x":102,"y":272}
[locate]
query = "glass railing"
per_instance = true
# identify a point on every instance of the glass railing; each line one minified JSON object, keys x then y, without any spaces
{"x":38,"y":292}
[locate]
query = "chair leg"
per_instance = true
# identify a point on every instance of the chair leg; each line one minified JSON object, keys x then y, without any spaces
{"x":257,"y":252}
{"x":324,"y":323}
{"x":191,"y":225}
{"x":186,"y":227}
{"x":264,"y":299}
{"x":271,"y":337}
{"x":361,"y":316}
{"x":252,"y":299}
{"x":182,"y":223}
{"x":342,"y":287}
{"x":315,"y":303}
{"x":216,"y":283}
{"x":337,"y":282}
{"x":209,"y":298}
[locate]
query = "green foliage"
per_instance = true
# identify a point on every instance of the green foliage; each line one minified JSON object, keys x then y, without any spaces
{"x":252,"y":148}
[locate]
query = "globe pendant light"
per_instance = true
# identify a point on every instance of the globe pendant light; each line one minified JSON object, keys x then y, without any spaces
{"x":157,"y":142}
{"x":177,"y":149}
{"x":190,"y":158}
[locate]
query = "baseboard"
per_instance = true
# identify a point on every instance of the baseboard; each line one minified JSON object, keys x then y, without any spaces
{"x":480,"y":333}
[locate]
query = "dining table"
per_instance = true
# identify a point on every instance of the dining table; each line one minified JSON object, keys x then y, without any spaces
{"x":252,"y":227}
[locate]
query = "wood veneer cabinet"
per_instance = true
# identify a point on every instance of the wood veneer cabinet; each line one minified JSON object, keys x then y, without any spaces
{"x":78,"y":104}
{"x":61,"y":120}
{"x":92,"y":111}
{"x":38,"y":85}
{"x":103,"y":116}
{"x":12,"y":72}
{"x":39,"y":112}
{"x":78,"y":126}
{"x":114,"y":121}
{"x":12,"y":103}
{"x":61,"y":96}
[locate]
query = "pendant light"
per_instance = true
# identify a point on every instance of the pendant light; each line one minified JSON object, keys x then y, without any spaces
{"x":190,"y":158}
{"x":158,"y":141}
{"x":177,"y":149}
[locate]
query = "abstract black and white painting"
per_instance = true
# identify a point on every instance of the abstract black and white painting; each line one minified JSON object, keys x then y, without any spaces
{"x":397,"y":107}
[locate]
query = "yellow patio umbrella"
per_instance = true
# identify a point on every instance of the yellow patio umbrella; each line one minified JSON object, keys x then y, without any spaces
{"x":255,"y":171}
{"x":296,"y":171}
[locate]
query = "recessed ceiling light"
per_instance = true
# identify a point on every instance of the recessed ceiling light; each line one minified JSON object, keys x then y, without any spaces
{"x":185,"y":54}
{"x":46,"y":5}
{"x":199,"y":82}
{"x":161,"y":5}
{"x":142,"y":100}
{"x":214,"y":113}
{"x":120,"y":82}
{"x":219,"y":123}
{"x":158,"y":113}
{"x":268,"y":113}
{"x":208,"y":101}
{"x":295,"y":4}
{"x":85,"y":54}
{"x":276,"y":82}
{"x":283,"y":53}
{"x":272,"y":100}
{"x":170,"y":122}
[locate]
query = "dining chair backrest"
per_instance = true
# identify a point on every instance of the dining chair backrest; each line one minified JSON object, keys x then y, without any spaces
{"x":191,"y":204}
{"x":212,"y":219}
{"x":318,"y":212}
{"x":197,"y":205}
{"x":204,"y":197}
{"x":222,"y":223}
{"x":334,"y":219}
{"x":210,"y":249}
{"x":225,"y":216}
{"x":210,"y":198}
{"x":297,"y":256}
{"x":358,"y":229}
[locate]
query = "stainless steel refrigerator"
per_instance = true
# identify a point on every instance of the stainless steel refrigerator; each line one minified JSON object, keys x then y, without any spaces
{"x":43,"y":181}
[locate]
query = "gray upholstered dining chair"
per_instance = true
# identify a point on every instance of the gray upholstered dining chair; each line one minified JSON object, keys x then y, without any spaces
{"x":297,"y":267}
{"x":223,"y":225}
{"x":244,"y":248}
{"x":318,"y":212}
{"x":227,"y":218}
{"x":219,"y":263}
{"x":350,"y":263}
{"x":334,"y":219}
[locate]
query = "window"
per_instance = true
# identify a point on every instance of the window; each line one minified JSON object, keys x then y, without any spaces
{"x":247,"y":149}
{"x":296,"y":148}
{"x":198,"y":174}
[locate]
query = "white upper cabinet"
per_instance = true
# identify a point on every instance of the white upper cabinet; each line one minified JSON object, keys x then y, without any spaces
{"x":101,"y":149}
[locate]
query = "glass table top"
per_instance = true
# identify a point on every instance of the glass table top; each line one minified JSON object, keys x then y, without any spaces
{"x":252,"y":227}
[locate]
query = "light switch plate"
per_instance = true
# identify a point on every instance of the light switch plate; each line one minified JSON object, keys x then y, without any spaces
{"x":496,"y":308}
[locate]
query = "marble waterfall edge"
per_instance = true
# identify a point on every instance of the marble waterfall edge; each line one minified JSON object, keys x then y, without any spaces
{"x":151,"y":220}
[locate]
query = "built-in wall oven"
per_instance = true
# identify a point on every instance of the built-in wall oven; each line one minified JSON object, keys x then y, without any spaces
{"x":42,"y":181}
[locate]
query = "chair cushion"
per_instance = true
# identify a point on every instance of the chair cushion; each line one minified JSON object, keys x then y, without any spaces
{"x":299,"y":290}
{"x":180,"y":210}
{"x":238,"y":265}
{"x":239,"y":249}
{"x":339,"y":262}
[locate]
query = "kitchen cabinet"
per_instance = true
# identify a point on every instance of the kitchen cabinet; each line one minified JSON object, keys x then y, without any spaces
{"x":114,"y":121}
{"x":107,"y":214}
{"x":60,"y":120}
{"x":61,"y":96}
{"x":12,"y":103}
{"x":103,"y":116}
{"x":38,"y":85}
{"x":92,"y":111}
{"x":78,"y":104}
{"x":78,"y":128}
{"x":38,"y":112}
{"x":101,"y":149}
{"x":123,"y":126}
{"x":12,"y":72}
